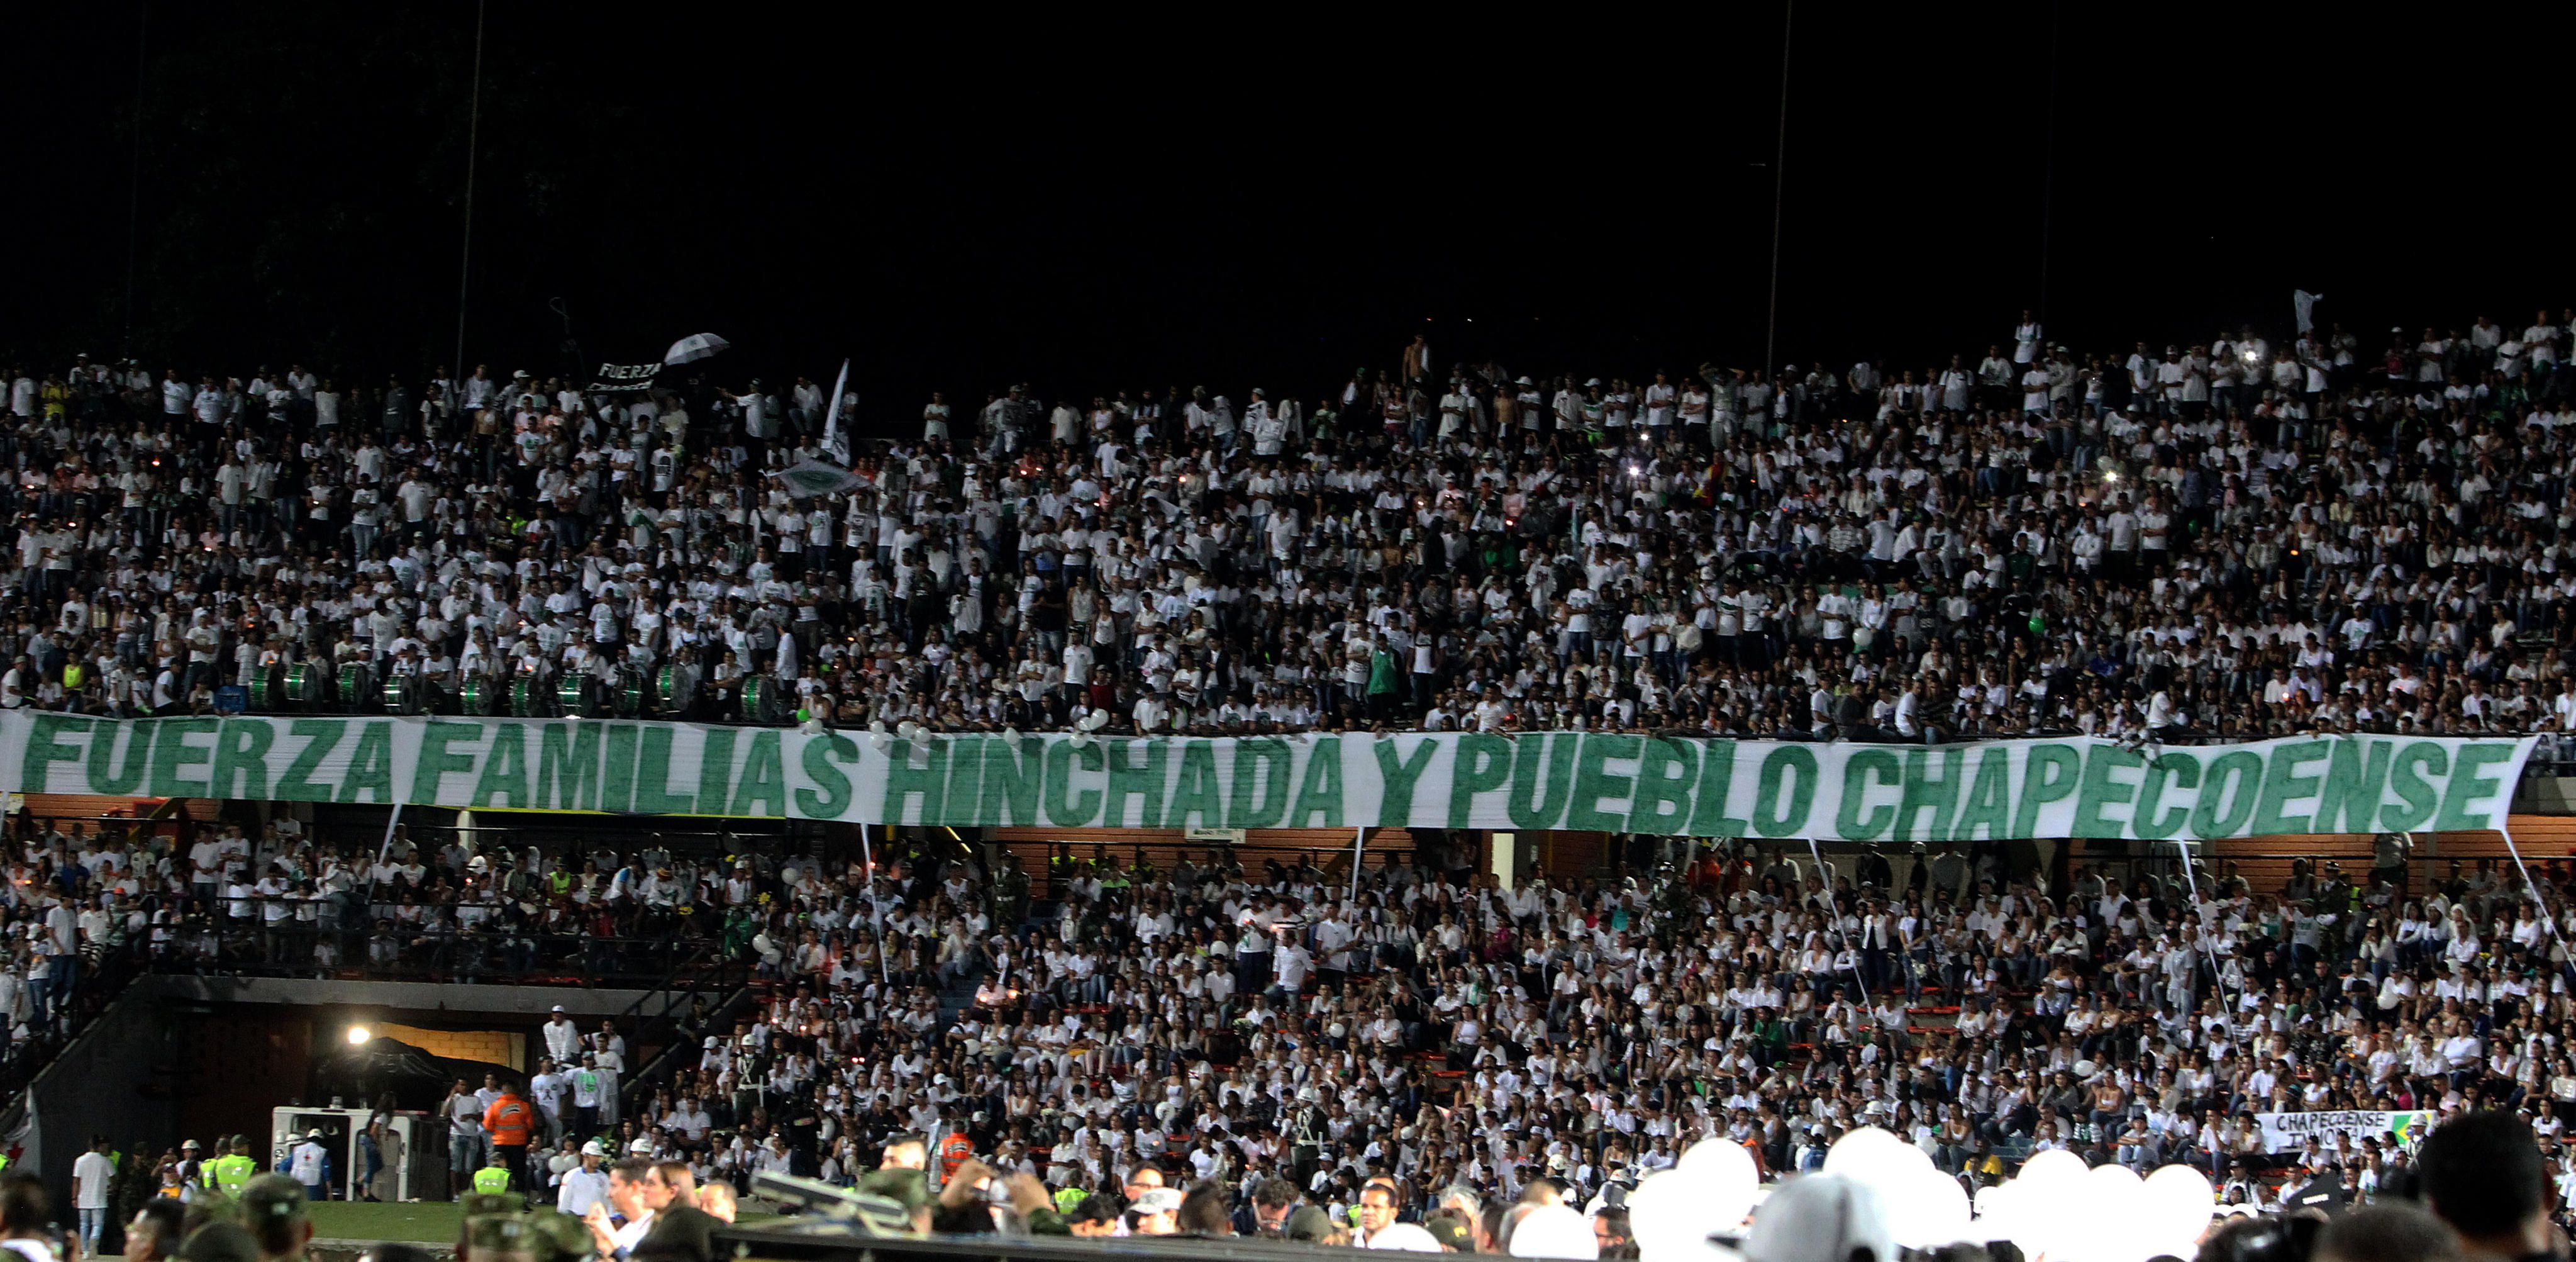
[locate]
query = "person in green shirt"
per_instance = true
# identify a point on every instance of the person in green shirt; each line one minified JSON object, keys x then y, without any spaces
{"x":232,"y":1170}
{"x":494,"y":1178}
{"x":1381,"y":681}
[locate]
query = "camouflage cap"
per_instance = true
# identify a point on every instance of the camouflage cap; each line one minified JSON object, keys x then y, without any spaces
{"x":220,"y":1242}
{"x":477,"y":1204}
{"x":271,"y":1196}
{"x":542,"y":1236}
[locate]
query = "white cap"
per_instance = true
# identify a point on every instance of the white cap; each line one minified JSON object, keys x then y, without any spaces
{"x":1406,"y":1238}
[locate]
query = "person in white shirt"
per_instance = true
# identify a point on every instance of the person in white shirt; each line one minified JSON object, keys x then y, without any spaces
{"x":91,"y":1174}
{"x":585,"y":1187}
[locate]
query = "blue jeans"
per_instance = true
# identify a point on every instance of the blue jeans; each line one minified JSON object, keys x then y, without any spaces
{"x":91,"y":1222}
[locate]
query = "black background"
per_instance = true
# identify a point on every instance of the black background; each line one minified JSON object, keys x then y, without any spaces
{"x":1099,"y":207}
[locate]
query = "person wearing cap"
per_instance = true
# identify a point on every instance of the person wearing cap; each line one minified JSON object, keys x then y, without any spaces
{"x":1156,"y":1213}
{"x":563,"y":1037}
{"x":586,"y":1185}
{"x":273,"y":1211}
{"x":229,"y":1173}
{"x":309,"y":1163}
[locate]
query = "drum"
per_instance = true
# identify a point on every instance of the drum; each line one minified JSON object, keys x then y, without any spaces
{"x":265,"y":688}
{"x":630,"y":692}
{"x":303,"y":683}
{"x":758,"y":699}
{"x":572,"y":695}
{"x":666,"y":691}
{"x":397,"y":694}
{"x":476,"y":697}
{"x":526,"y":699}
{"x":353,"y":686}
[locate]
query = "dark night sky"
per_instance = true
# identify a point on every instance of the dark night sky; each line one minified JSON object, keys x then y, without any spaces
{"x":1091,"y":210}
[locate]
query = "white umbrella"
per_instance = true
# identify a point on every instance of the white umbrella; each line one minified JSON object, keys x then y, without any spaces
{"x":696,"y":346}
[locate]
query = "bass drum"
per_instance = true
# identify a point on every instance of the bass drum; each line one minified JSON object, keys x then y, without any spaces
{"x":303,"y":684}
{"x":526,"y":698}
{"x":630,"y":692}
{"x":572,"y":695}
{"x":354,"y":687}
{"x":476,"y":697}
{"x":759,"y":699}
{"x":266,"y":688}
{"x":666,"y":692}
{"x":400,"y":693}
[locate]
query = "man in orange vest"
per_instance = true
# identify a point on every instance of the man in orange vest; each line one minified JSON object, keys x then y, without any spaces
{"x":507,"y":1122}
{"x":954,"y":1152}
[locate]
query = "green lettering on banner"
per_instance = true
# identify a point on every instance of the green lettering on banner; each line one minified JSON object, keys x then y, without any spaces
{"x":1014,"y":775}
{"x":764,"y":779}
{"x":1262,"y":766}
{"x":241,"y":760}
{"x":43,"y":751}
{"x":172,"y":754}
{"x":2048,"y":775}
{"x":1989,"y":804}
{"x":1079,"y":810}
{"x":504,"y":781}
{"x":2100,"y":790}
{"x":823,"y":756}
{"x":2282,"y":785}
{"x":904,"y":780}
{"x":435,"y":762}
{"x":1863,"y":766}
{"x":1198,"y":800}
{"x":127,"y":778}
{"x":2183,"y":772}
{"x":2356,"y":778}
{"x":1319,"y":791}
{"x":1397,"y":776}
{"x":1594,"y":783}
{"x":1482,"y":762}
{"x":962,"y":798}
{"x":1716,"y":782}
{"x":1143,"y":783}
{"x":1665,"y":768}
{"x":2406,"y":776}
{"x":1939,"y":795}
{"x":2468,"y":787}
{"x":2235,"y":779}
{"x":1795,"y":766}
{"x":715,"y":772}
{"x":653,"y":795}
{"x":617,"y":769}
{"x":371,"y":765}
{"x":320,"y":736}
{"x":1542,"y":776}
{"x":568,"y":767}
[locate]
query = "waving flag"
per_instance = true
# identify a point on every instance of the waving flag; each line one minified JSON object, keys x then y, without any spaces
{"x":835,"y":439}
{"x":808,"y":478}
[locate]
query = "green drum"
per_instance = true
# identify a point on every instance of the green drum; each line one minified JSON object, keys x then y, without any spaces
{"x":353,"y":686}
{"x":398,"y":694}
{"x":572,"y":695}
{"x":630,"y":692}
{"x":265,"y":689}
{"x":759,"y":699}
{"x":526,"y":698}
{"x":303,"y":683}
{"x":666,"y":691}
{"x":477,"y":695}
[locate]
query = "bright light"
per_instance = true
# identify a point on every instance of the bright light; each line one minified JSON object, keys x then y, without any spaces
{"x":2111,"y":476}
{"x":360,"y":1036}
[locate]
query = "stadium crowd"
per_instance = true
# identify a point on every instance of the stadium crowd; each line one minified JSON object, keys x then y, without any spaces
{"x":2226,"y":539}
{"x":2223,"y":540}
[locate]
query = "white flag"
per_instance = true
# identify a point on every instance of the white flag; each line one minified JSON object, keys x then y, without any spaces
{"x":808,"y":478}
{"x":2307,"y":304}
{"x":834,"y":439}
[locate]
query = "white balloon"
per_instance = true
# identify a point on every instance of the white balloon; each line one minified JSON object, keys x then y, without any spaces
{"x":2176,"y":1210}
{"x":1927,"y":1209}
{"x":1555,"y":1231}
{"x":1868,"y":1156}
{"x":2114,"y":1203}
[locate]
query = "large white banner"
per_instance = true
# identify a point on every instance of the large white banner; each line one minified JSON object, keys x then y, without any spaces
{"x":2288,"y":1132}
{"x":1584,"y":781}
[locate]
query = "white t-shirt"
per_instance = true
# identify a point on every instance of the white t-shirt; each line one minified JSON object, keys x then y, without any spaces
{"x":90,"y":1177}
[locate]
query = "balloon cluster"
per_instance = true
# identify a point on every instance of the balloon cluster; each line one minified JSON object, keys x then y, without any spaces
{"x":2057,"y":1210}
